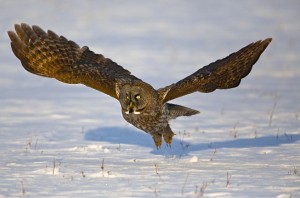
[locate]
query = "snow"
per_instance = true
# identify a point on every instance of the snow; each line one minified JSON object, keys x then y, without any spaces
{"x":60,"y":140}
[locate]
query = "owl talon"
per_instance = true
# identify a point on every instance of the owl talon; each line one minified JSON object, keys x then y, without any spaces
{"x":168,"y":136}
{"x":157,"y":140}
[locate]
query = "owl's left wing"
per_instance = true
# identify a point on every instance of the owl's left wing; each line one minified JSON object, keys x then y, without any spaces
{"x":49,"y":55}
{"x":223,"y":74}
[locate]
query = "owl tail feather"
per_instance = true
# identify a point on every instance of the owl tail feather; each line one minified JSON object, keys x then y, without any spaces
{"x":177,"y":111}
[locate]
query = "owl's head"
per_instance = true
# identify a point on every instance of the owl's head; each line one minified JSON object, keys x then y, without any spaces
{"x":135,"y":99}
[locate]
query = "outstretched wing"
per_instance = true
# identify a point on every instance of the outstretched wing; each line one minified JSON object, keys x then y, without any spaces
{"x":47,"y":54}
{"x":223,"y":74}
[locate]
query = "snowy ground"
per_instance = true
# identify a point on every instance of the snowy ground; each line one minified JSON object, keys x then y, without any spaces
{"x":61,"y":140}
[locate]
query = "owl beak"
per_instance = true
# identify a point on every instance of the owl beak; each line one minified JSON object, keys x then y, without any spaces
{"x":130,"y":110}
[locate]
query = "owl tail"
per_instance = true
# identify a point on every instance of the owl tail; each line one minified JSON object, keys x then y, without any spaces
{"x":177,"y":110}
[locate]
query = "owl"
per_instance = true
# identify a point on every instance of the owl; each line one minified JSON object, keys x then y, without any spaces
{"x":49,"y":55}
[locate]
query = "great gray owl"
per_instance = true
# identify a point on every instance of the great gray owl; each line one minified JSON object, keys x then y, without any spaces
{"x":49,"y":55}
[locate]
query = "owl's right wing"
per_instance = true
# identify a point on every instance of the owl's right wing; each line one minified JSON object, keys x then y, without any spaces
{"x":47,"y":54}
{"x":223,"y":74}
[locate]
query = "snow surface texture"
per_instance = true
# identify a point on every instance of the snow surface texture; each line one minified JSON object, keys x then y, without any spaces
{"x":61,"y":140}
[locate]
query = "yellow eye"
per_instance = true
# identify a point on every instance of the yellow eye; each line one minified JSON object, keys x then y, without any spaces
{"x":137,"y":97}
{"x":127,"y":97}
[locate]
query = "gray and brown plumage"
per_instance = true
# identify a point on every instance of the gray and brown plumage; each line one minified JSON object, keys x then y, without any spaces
{"x":49,"y":55}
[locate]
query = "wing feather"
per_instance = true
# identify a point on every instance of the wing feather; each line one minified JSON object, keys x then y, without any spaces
{"x":47,"y":54}
{"x":223,"y":74}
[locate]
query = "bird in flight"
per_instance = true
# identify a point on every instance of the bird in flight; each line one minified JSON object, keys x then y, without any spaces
{"x":49,"y":55}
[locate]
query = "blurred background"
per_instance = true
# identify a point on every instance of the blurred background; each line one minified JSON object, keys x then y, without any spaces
{"x":251,"y":132}
{"x":159,"y":42}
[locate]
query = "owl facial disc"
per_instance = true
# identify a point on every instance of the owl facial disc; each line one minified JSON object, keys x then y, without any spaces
{"x":133,"y":99}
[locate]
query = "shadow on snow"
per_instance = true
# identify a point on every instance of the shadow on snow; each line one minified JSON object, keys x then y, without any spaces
{"x":121,"y":136}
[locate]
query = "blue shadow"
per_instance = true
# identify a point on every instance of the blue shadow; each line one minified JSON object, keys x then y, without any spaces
{"x":131,"y":136}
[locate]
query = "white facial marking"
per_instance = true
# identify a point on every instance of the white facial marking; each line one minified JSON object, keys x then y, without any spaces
{"x":137,"y":112}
